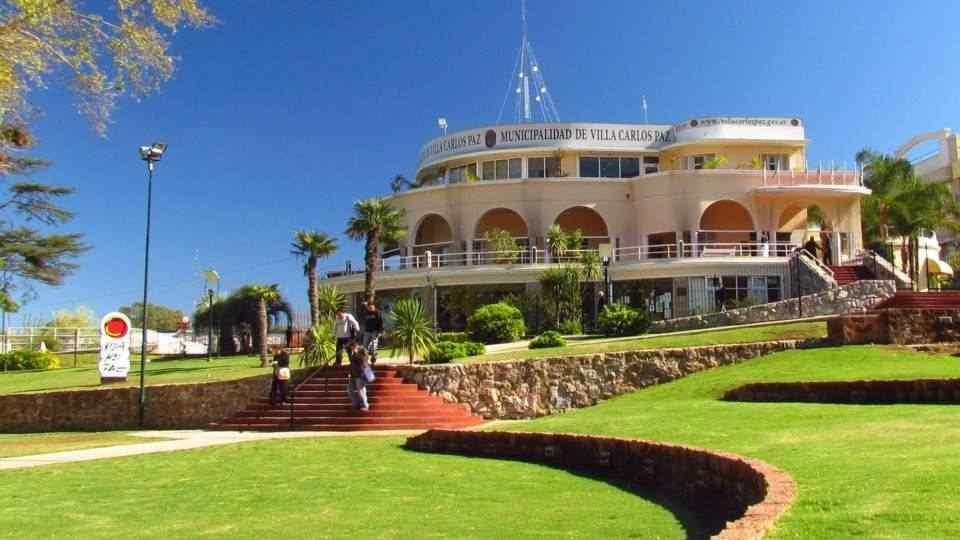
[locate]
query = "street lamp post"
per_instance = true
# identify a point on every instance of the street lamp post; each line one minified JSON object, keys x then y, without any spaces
{"x":151,"y":155}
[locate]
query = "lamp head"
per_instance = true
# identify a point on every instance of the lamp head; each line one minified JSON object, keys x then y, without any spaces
{"x":153,"y":152}
{"x":442,"y":123}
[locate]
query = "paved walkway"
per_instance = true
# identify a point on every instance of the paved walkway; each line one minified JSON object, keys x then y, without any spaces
{"x":173,"y":441}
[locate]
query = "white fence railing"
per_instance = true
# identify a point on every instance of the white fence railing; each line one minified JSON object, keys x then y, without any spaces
{"x":534,"y":255}
{"x":15,"y":338}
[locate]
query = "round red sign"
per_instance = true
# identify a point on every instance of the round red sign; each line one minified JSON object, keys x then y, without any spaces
{"x":116,"y":327}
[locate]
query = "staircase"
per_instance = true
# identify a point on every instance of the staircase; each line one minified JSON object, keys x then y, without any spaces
{"x":923,"y":300}
{"x":850,"y":273}
{"x":321,"y":403}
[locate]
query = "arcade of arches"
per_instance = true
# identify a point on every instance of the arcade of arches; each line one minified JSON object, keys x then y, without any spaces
{"x":726,"y":222}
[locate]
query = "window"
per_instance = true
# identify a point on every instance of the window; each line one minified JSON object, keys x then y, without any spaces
{"x":610,"y":167}
{"x":538,"y":167}
{"x":698,"y":162}
{"x":464,"y":173}
{"x":773,"y":289}
{"x":488,"y":170}
{"x":516,"y":168}
{"x":651,"y":164}
{"x":502,"y":169}
{"x":629,"y":167}
{"x":589,"y":167}
{"x":735,"y":288}
{"x":776,"y":162}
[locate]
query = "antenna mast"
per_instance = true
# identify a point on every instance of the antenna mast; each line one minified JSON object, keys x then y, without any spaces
{"x":536,"y":104}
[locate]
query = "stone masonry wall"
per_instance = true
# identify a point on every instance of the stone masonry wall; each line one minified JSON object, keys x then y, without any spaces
{"x":900,"y":326}
{"x":855,"y":297}
{"x":730,"y":496}
{"x":175,"y":406}
{"x":538,"y":387}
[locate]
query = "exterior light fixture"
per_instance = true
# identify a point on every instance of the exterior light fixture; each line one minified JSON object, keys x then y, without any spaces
{"x":442,"y":124}
{"x":151,"y":154}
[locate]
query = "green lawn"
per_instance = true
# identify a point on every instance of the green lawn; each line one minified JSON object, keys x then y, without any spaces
{"x":797,"y":330}
{"x":882,"y":471}
{"x":354,"y":488}
{"x":158,"y":372}
{"x":878,"y":471}
{"x":42,"y":443}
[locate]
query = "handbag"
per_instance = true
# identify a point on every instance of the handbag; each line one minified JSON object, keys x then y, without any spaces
{"x":368,"y":374}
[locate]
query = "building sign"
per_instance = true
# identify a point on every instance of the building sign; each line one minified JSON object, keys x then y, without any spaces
{"x":636,"y":137}
{"x":601,"y":137}
{"x":114,"y":347}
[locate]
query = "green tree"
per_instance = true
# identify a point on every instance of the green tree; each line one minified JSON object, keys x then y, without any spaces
{"x":312,"y":246}
{"x":504,"y":246}
{"x":374,"y":221}
{"x":320,"y":346}
{"x":264,"y":295}
{"x":103,"y":54}
{"x":79,"y":317}
{"x":562,"y":297}
{"x":235,"y":316}
{"x":159,"y":317}
{"x":412,"y":329}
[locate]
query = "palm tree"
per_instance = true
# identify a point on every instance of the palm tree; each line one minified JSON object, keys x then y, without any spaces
{"x":374,"y":221}
{"x":312,"y":245}
{"x":887,"y":178}
{"x":918,"y":207}
{"x":412,"y":329}
{"x":264,"y":295}
{"x":557,"y":240}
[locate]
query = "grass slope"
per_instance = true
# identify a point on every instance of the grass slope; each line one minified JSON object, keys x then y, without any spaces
{"x":798,"y":330}
{"x":356,"y":487}
{"x":158,"y":372}
{"x":879,"y":471}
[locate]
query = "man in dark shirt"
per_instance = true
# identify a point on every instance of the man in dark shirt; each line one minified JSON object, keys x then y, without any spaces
{"x":372,"y":323}
{"x":812,"y":247}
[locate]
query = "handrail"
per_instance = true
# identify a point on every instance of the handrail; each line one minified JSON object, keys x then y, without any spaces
{"x":820,"y":264}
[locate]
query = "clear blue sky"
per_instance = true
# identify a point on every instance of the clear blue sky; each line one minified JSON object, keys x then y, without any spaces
{"x":284,"y":114}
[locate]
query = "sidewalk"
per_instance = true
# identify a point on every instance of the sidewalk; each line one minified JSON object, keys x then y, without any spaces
{"x":175,"y":440}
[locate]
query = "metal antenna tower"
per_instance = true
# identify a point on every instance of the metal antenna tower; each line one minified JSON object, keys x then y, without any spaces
{"x":530,"y":104}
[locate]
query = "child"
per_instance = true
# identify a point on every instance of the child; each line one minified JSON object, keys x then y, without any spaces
{"x":281,"y":379}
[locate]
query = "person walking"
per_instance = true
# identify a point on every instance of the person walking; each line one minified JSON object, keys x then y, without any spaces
{"x":372,"y":329}
{"x":281,"y":379}
{"x":345,"y":328}
{"x":357,"y":383}
{"x":827,"y":251}
{"x":812,"y":247}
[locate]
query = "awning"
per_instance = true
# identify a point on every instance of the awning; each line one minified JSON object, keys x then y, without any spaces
{"x":935,"y":266}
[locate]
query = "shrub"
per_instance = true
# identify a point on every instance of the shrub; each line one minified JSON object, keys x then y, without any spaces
{"x":472,"y":348}
{"x":622,"y":320}
{"x":21,"y":360}
{"x":320,"y":344}
{"x":453,"y":337}
{"x":571,"y":327}
{"x":412,"y":328}
{"x":446,"y":351}
{"x":496,"y":323}
{"x":547,"y":339}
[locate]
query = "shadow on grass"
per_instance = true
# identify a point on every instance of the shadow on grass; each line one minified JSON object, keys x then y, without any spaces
{"x":696,"y":526}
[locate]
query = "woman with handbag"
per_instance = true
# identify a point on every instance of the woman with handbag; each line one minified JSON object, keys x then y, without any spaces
{"x":360,"y":375}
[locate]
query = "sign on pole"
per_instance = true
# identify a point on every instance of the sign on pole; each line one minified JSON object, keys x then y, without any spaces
{"x":114,"y":347}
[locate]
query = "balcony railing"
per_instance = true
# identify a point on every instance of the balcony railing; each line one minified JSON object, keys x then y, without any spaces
{"x":533,"y":256}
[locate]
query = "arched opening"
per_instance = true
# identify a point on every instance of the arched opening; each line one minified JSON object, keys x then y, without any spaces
{"x":503,"y":219}
{"x":726,"y":222}
{"x":588,"y":221}
{"x":433,"y":234}
{"x":500,"y":220}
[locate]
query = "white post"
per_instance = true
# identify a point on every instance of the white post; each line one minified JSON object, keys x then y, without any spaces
{"x":429,"y":257}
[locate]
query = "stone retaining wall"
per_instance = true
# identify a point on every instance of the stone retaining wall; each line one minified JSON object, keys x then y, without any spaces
{"x":855,"y":297}
{"x":174,"y":406}
{"x":946,"y":391}
{"x":538,"y":387}
{"x":900,"y":326}
{"x":731,"y":496}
